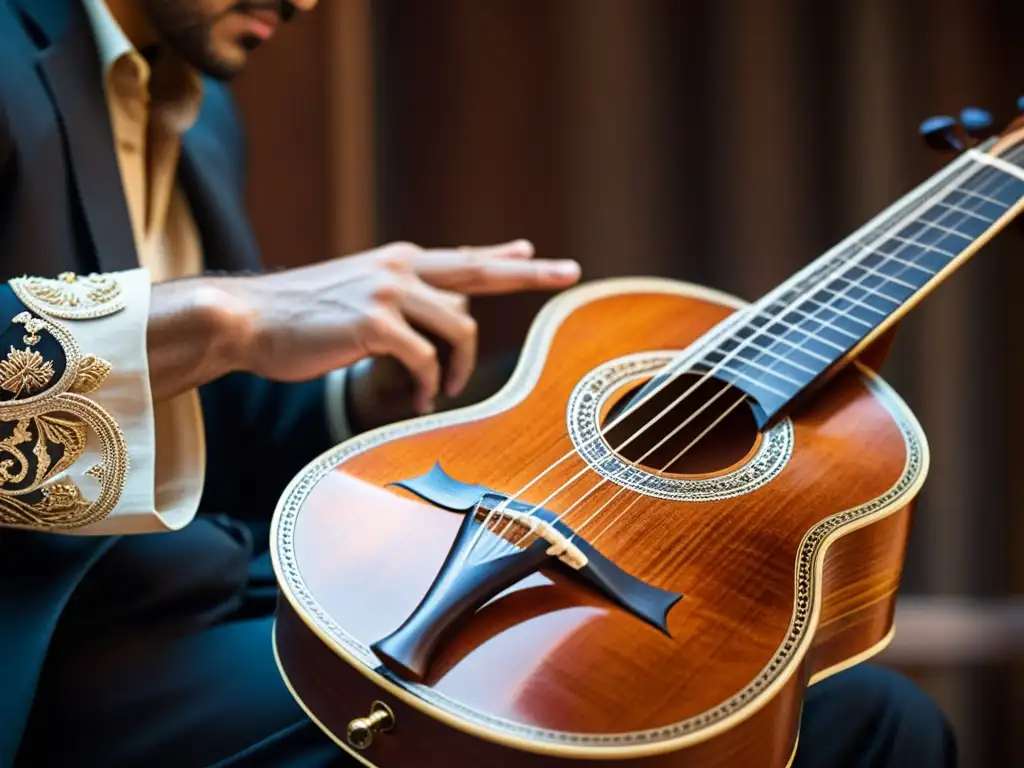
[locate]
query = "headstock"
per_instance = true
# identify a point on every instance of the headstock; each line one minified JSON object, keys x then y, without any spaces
{"x":945,"y":133}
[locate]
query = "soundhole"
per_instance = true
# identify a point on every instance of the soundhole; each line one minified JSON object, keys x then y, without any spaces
{"x":706,"y":432}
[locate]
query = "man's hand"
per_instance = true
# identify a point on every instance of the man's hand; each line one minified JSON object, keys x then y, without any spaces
{"x":299,"y":324}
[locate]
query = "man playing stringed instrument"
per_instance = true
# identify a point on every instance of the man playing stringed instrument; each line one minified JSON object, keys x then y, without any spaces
{"x":137,"y":597}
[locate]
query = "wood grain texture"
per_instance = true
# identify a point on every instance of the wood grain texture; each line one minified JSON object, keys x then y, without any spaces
{"x":550,"y":657}
{"x":334,"y":694}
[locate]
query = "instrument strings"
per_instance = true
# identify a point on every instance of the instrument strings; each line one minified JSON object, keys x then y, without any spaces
{"x":722,"y":416}
{"x":927,"y":197}
{"x":500,"y":537}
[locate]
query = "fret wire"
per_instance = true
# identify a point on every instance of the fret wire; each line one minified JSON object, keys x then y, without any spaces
{"x":895,"y":280}
{"x":760,"y":383}
{"x":792,"y":308}
{"x":911,"y":264}
{"x":996,"y":161}
{"x":858,"y":302}
{"x":782,"y":340}
{"x":857,"y":284}
{"x":758,"y":346}
{"x":1014,"y":155}
{"x":843,"y":313}
{"x":875,"y":250}
{"x":924,"y":222}
{"x":965,"y":173}
{"x":776,"y":319}
{"x":964,"y":211}
{"x":980,"y":196}
{"x":748,"y":361}
{"x":784,"y":377}
{"x":868,"y":251}
{"x":926,"y":246}
{"x":955,"y":233}
{"x":972,"y":174}
{"x":767,"y":351}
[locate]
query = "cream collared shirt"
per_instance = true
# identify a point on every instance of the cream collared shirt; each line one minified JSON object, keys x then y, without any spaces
{"x":89,"y":451}
{"x":150,"y":108}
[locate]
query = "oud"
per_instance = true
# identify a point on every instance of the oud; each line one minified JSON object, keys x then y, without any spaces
{"x":679,"y":512}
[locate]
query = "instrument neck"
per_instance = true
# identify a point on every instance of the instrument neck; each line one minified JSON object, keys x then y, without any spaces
{"x":820,"y":319}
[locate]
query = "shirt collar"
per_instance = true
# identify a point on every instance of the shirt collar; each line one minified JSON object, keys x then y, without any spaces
{"x":110,"y":38}
{"x":183,"y":87}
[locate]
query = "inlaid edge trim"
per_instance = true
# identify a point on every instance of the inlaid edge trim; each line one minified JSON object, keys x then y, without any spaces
{"x":810,"y":563}
{"x":856,"y":659}
{"x":302,"y":704}
{"x":333,"y":737}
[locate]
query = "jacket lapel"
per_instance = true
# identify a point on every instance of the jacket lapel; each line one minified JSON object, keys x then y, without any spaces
{"x":217,"y":205}
{"x":72,"y":71}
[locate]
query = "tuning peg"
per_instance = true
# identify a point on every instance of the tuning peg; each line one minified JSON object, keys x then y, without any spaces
{"x":977,"y":122}
{"x":941,"y":133}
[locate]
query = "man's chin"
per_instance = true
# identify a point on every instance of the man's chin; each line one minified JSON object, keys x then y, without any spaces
{"x":222,"y":68}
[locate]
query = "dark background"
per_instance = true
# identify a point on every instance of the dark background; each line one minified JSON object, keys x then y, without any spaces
{"x":716,"y":141}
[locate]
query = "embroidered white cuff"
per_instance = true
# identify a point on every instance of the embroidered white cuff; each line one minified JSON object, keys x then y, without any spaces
{"x":83,"y":449}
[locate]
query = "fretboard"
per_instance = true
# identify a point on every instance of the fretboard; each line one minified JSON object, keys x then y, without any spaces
{"x":829,"y":312}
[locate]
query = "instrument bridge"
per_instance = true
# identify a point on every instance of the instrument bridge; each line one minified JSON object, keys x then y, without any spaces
{"x":527,"y":528}
{"x":518,"y":539}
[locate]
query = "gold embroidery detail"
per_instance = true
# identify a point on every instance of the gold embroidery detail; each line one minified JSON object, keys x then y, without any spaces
{"x":9,"y":445}
{"x":53,"y":427}
{"x":32,"y":324}
{"x":24,"y":370}
{"x":71,"y":357}
{"x":62,"y":497}
{"x":64,"y":420}
{"x":48,"y":430}
{"x":92,"y":372}
{"x":61,"y":505}
{"x":69,"y":433}
{"x":70,"y":296}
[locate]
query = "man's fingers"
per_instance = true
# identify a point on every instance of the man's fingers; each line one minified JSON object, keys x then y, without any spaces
{"x":515,"y":249}
{"x":469,"y":273}
{"x":390,"y":334}
{"x":444,"y":314}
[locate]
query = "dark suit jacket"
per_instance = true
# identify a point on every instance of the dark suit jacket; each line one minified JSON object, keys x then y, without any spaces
{"x":62,"y":209}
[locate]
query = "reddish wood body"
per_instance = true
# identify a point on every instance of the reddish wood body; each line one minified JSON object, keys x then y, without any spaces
{"x":781,"y":583}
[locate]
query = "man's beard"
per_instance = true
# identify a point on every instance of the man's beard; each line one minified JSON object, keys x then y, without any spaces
{"x":185,"y":28}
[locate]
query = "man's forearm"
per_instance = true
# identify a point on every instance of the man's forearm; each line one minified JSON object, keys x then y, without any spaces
{"x":196,"y":334}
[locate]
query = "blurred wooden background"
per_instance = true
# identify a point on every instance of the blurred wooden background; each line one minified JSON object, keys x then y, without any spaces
{"x":724,"y":142}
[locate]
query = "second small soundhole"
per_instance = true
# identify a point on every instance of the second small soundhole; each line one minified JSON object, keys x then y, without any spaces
{"x":704,"y":433}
